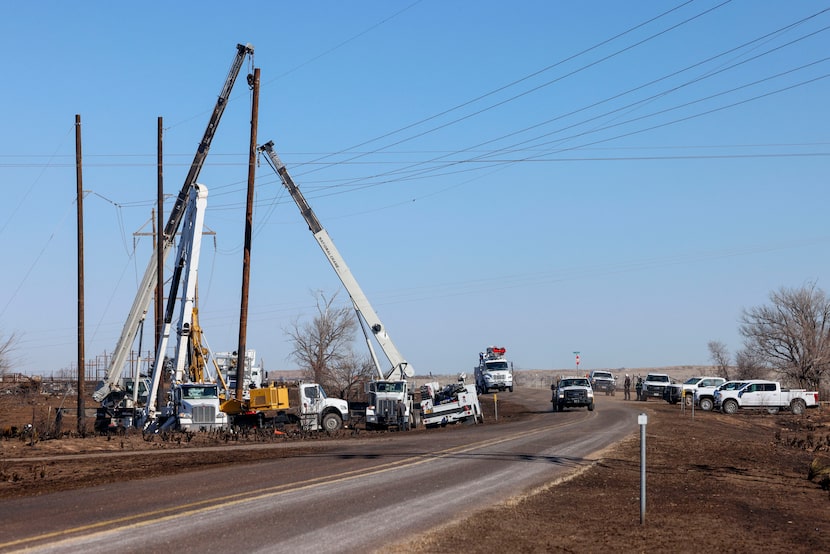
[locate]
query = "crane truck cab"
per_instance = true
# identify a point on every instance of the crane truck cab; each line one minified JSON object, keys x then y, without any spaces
{"x":385,"y":398}
{"x":196,"y":407}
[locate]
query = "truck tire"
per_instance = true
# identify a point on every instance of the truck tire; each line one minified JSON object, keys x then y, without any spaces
{"x":591,"y":407}
{"x":510,"y":388}
{"x":730,"y":406}
{"x":706,"y":404}
{"x":798,"y":406}
{"x":332,"y":422}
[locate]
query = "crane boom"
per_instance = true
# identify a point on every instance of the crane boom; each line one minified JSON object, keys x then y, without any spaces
{"x":185,"y":273}
{"x":144,"y":295}
{"x":400,"y":367}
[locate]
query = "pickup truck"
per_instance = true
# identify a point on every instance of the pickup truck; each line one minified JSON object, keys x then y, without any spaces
{"x":572,"y":392}
{"x":676,"y":392}
{"x":705,"y":396}
{"x":765,"y":395}
{"x":603,"y":381}
{"x":655,"y":384}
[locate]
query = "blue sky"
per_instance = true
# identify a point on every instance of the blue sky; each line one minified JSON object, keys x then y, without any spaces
{"x":620,"y":179}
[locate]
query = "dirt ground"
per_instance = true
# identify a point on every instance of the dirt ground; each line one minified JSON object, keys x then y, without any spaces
{"x":751,"y":482}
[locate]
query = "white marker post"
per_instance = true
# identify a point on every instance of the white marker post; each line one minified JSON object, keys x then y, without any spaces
{"x":642,"y":419}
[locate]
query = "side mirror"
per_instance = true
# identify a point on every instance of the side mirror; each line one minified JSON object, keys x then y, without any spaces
{"x":553,"y":387}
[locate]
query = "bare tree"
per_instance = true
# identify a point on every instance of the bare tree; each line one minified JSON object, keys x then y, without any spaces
{"x":720,"y":356}
{"x":7,"y":347}
{"x":749,"y":366}
{"x":324,"y":343}
{"x":791,"y":336}
{"x":347,"y":376}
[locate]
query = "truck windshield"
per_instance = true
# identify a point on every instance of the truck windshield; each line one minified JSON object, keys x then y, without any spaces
{"x":388,"y":386}
{"x":574,"y":383}
{"x":497,"y":366}
{"x":199,"y":392}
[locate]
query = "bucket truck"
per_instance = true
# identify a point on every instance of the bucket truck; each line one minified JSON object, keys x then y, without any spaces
{"x":119,"y":397}
{"x":390,"y":394}
{"x":193,"y":401}
{"x":493,"y":370}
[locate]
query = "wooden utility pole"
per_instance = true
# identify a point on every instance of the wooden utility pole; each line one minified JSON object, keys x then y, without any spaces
{"x":246,"y":256}
{"x":158,"y":241}
{"x":79,"y":181}
{"x":158,"y":244}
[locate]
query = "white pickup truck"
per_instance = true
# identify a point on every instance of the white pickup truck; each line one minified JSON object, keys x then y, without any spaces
{"x":765,"y":395}
{"x":705,"y":396}
{"x":687,"y":391}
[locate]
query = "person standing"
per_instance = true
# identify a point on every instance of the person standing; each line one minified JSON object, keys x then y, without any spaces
{"x":627,"y":387}
{"x":403,"y":416}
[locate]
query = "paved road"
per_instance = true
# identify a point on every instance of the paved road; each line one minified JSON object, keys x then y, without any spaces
{"x":338,"y":496}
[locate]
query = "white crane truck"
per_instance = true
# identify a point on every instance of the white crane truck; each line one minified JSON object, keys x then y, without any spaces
{"x":391,"y":397}
{"x":193,"y":400}
{"x":120,"y":399}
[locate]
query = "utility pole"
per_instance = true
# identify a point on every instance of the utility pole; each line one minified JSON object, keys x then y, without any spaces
{"x":246,"y":256}
{"x":79,"y":182}
{"x":157,"y":240}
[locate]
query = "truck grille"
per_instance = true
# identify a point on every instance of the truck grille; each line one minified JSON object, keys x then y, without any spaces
{"x":386,"y":409}
{"x":575,"y":394}
{"x":204,"y":414}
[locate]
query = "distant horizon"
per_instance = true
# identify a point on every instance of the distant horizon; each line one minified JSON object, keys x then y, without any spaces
{"x":8,"y":376}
